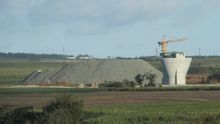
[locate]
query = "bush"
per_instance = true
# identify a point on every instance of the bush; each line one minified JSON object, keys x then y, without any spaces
{"x":64,"y":110}
{"x":127,"y":83}
{"x":23,"y":115}
{"x":151,"y":84}
{"x":214,"y":77}
{"x":208,"y":119}
{"x":123,"y":84}
{"x":111,"y":84}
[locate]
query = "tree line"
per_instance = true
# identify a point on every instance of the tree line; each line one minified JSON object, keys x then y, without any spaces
{"x":31,"y":56}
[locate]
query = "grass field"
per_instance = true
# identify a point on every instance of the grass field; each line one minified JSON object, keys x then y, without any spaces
{"x":13,"y":72}
{"x":163,"y":112}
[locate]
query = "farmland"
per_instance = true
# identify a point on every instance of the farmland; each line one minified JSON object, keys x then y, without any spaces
{"x":93,"y":97}
{"x":166,"y":105}
{"x":13,"y":72}
{"x":108,"y":107}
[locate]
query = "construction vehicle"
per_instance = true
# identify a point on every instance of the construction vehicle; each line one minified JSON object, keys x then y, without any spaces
{"x":163,"y":43}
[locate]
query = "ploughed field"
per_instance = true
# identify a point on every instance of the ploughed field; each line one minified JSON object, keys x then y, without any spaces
{"x":105,"y":98}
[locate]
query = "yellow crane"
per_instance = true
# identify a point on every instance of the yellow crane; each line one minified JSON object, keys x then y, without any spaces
{"x":163,"y":43}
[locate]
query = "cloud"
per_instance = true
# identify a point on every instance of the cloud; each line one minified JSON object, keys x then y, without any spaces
{"x":87,"y":16}
{"x":106,"y":12}
{"x":96,"y":14}
{"x":198,"y":10}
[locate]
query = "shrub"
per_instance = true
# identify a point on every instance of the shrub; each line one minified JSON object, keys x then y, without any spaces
{"x":208,"y":119}
{"x":214,"y":77}
{"x":66,"y":109}
{"x":111,"y":84}
{"x":123,"y":84}
{"x":23,"y":115}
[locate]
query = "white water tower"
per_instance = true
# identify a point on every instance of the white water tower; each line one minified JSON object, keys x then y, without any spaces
{"x":175,"y":64}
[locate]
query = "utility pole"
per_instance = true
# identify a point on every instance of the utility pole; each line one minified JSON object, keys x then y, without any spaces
{"x":64,"y":55}
{"x":63,"y":51}
{"x":199,"y":52}
{"x":156,"y":51}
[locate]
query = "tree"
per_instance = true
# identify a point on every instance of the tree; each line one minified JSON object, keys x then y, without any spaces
{"x":152,"y":78}
{"x":139,"y":78}
{"x":146,"y":76}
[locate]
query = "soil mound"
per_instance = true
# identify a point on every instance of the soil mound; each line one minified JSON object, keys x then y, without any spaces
{"x":94,"y":71}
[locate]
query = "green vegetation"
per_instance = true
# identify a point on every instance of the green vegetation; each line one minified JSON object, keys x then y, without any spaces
{"x":150,"y":77}
{"x":163,"y":112}
{"x":13,"y":72}
{"x":214,"y":77}
{"x":123,"y":84}
{"x":91,"y":90}
{"x":49,"y":90}
{"x":30,"y":56}
{"x":146,"y":76}
{"x":66,"y":109}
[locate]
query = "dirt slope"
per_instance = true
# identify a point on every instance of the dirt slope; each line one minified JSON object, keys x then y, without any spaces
{"x":94,"y":71}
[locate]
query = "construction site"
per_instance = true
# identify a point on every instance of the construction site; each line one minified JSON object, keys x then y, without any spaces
{"x":105,"y":90}
{"x":92,"y":72}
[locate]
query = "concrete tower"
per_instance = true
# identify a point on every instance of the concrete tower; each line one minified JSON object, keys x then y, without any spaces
{"x":175,"y":67}
{"x":175,"y":64}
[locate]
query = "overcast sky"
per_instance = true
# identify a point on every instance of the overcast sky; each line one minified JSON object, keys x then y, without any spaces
{"x":109,"y":27}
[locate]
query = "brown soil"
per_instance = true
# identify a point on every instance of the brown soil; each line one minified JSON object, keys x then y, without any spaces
{"x":196,"y":78}
{"x":110,"y":98}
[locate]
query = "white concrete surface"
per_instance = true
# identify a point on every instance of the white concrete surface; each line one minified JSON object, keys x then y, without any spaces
{"x":175,"y":69}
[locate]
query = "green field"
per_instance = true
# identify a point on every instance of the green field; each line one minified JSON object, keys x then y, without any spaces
{"x":165,"y":112}
{"x":13,"y":72}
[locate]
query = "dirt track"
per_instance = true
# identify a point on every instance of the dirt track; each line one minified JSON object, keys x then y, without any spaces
{"x":109,"y":98}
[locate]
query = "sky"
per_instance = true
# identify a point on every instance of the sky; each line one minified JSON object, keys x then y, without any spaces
{"x":102,"y":28}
